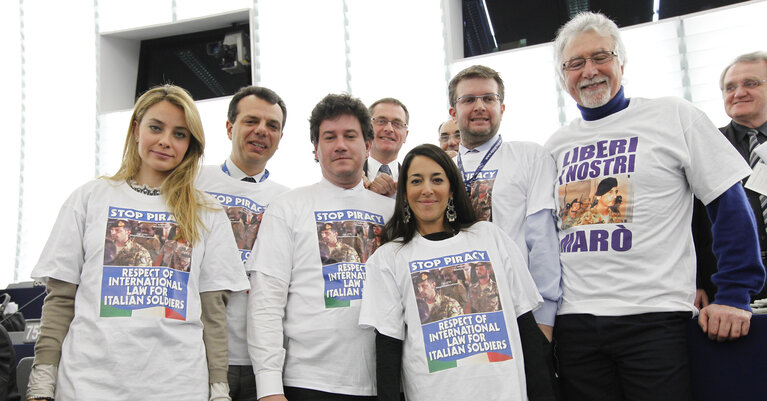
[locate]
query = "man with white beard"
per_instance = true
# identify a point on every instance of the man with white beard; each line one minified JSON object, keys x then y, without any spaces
{"x":629,"y":284}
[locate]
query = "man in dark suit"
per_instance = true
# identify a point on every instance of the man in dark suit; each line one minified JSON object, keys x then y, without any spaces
{"x":744,"y":91}
{"x":390,"y":119}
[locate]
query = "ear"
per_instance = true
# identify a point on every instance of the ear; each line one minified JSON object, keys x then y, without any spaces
{"x":229,"y":127}
{"x":316,"y":158}
{"x":135,"y":130}
{"x":452,"y":114}
{"x":503,"y":108}
{"x":404,"y":137}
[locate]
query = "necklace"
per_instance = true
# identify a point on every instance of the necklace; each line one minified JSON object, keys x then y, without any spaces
{"x":144,"y":189}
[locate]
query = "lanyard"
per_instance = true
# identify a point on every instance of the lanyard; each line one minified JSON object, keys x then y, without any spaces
{"x":481,"y":165}
{"x":226,"y":170}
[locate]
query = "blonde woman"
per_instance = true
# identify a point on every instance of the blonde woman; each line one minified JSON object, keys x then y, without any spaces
{"x":118,"y":324}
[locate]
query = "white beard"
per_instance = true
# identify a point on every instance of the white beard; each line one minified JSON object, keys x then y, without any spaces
{"x":595,"y":99}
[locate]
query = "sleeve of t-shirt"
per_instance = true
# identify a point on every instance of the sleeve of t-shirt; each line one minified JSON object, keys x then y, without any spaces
{"x":543,"y":256}
{"x":524,"y":293}
{"x":63,"y":256}
{"x":266,"y":310}
{"x":543,"y":175}
{"x":714,"y":165}
{"x":221,"y":267}
{"x":274,"y":248}
{"x":381,"y":306}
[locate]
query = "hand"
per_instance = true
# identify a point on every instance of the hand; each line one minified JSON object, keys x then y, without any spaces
{"x":384,"y":185}
{"x":701,"y":299}
{"x":547,"y":330}
{"x":722,"y":322}
{"x":274,"y":397}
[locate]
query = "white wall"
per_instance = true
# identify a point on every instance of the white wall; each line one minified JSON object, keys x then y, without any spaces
{"x":56,"y":138}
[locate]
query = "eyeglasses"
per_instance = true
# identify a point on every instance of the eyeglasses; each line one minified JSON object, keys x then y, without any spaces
{"x":746,"y":84}
{"x":489,"y":99}
{"x":382,"y":122}
{"x":580,"y":62}
{"x":444,"y":138}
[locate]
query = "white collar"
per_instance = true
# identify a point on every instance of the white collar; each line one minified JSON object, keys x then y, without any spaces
{"x":238,"y":174}
{"x":325,"y":183}
{"x":374,"y":165}
{"x":479,"y":149}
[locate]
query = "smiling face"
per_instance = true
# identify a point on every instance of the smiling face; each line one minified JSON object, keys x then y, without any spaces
{"x":449,"y":136}
{"x":255,"y":133}
{"x":746,"y":107}
{"x":428,"y":191}
{"x":595,"y":84}
{"x":388,"y":139}
{"x":477,"y":122}
{"x":341,"y":150}
{"x":163,"y":139}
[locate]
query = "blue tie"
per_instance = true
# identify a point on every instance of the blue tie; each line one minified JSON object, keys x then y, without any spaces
{"x":384,"y":170}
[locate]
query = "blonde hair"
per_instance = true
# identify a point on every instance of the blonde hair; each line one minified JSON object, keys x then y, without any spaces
{"x":178,"y":187}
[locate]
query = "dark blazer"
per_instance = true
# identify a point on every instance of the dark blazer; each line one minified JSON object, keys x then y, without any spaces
{"x":701,"y":225}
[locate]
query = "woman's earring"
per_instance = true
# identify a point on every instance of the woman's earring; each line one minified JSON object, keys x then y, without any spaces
{"x":450,"y":211}
{"x":406,"y":214}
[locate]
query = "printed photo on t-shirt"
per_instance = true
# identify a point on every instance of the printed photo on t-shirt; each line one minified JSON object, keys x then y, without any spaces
{"x":481,"y":194}
{"x":146,"y":265}
{"x":245,"y":216}
{"x":346,"y":239}
{"x":460,"y":310}
{"x":603,"y":200}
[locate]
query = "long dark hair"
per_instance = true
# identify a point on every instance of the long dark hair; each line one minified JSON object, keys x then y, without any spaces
{"x":396,"y":226}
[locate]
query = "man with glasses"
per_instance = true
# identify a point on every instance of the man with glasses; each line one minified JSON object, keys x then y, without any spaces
{"x":514,"y":181}
{"x":744,"y":91}
{"x":628,"y":287}
{"x":390,"y":118}
{"x":449,"y":137}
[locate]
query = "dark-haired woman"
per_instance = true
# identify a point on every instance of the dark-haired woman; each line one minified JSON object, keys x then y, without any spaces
{"x":450,"y":350}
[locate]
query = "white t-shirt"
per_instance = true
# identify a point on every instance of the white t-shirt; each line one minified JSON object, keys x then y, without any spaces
{"x":245,"y":203}
{"x":659,"y":153}
{"x":136,"y":332}
{"x":515,"y":182}
{"x":514,"y":185}
{"x":314,"y":241}
{"x":457,"y":353}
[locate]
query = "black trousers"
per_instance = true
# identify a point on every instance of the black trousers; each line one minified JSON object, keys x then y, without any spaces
{"x":305,"y":394}
{"x":632,"y":358}
{"x":242,"y":383}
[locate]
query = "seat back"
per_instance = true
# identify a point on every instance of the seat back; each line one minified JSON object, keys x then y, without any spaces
{"x":22,"y":374}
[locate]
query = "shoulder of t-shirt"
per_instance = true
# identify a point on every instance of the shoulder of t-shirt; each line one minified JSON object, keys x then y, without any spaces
{"x":208,"y":202}
{"x":289,"y":197}
{"x":94,"y":187}
{"x":276,"y":187}
{"x":527,"y":148}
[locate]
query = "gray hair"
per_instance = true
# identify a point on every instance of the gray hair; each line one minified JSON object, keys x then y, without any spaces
{"x":586,"y":22}
{"x":753,"y":57}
